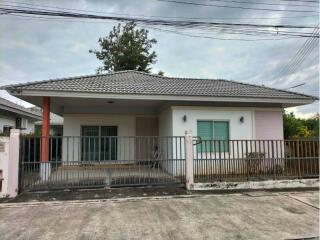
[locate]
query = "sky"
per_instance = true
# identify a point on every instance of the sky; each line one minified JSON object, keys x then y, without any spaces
{"x":33,"y":49}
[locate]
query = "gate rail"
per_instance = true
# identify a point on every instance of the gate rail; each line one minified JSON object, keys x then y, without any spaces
{"x":243,"y":160}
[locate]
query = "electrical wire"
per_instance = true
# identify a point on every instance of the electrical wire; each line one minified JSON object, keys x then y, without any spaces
{"x":236,"y":7}
{"x":261,"y":3}
{"x":295,"y":62}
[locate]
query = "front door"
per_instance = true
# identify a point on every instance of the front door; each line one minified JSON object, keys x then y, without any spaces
{"x":99,"y":143}
{"x":146,"y":127}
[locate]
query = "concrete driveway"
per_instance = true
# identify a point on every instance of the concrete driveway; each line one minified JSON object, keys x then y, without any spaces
{"x":256,"y":215}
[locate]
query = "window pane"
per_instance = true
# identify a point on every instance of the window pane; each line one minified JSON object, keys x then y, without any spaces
{"x":90,"y":143}
{"x":90,"y":131}
{"x":221,"y":132}
{"x":204,"y":131}
{"x":108,"y":143}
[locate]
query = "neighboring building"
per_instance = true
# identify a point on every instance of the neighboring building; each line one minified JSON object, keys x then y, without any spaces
{"x":56,"y":123}
{"x":15,"y":116}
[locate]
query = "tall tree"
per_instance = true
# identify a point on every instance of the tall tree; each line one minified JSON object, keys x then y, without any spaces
{"x":126,"y":48}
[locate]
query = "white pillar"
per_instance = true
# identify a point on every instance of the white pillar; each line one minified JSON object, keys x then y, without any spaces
{"x":189,"y":160}
{"x":13,"y":164}
{"x":4,"y":161}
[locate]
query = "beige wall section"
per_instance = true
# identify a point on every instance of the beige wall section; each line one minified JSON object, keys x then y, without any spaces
{"x":147,"y":126}
{"x":165,"y":122}
{"x":72,"y":127}
{"x":268,"y":125}
{"x":73,"y":122}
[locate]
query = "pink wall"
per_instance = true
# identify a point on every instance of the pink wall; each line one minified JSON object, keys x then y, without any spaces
{"x":268,"y":125}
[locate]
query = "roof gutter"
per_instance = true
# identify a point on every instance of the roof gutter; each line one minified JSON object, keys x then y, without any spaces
{"x":33,"y":93}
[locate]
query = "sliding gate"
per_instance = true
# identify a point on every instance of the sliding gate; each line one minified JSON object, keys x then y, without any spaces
{"x":111,"y":161}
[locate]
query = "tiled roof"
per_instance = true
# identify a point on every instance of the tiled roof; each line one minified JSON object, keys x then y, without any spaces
{"x":12,"y":107}
{"x":133,"y":82}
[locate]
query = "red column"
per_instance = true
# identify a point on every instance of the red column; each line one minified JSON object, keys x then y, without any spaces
{"x":45,"y":131}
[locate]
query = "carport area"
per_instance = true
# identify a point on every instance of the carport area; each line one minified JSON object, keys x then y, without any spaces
{"x":253,"y":215}
{"x":102,"y":175}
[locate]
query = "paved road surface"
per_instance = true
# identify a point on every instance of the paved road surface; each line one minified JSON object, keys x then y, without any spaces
{"x":256,"y":215}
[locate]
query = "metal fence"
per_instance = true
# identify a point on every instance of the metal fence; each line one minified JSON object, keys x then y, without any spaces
{"x":101,"y":162}
{"x":243,"y":160}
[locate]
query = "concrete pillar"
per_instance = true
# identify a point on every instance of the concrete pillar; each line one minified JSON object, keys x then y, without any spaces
{"x":4,"y":161}
{"x":13,"y":164}
{"x":45,"y":167}
{"x":189,"y":160}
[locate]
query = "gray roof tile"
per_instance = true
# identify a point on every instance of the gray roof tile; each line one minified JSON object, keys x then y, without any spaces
{"x":133,"y":82}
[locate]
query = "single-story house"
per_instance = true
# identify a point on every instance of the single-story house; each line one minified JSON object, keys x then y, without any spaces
{"x":141,"y":104}
{"x":105,"y":114}
{"x":15,"y":116}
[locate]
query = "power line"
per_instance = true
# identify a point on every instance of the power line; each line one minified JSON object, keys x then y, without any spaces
{"x":261,"y":3}
{"x":300,"y":55}
{"x":148,"y":16}
{"x":295,"y":86}
{"x":215,"y":38}
{"x":149,"y":21}
{"x":161,"y":30}
{"x":219,"y":27}
{"x":236,"y":7}
{"x":305,"y":1}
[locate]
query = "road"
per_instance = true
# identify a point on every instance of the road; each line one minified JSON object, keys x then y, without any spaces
{"x":255,"y":215}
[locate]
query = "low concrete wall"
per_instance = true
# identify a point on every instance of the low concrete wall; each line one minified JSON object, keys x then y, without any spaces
{"x":269,"y":184}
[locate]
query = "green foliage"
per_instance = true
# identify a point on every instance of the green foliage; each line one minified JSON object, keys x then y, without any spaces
{"x":300,"y":128}
{"x":161,"y":73}
{"x":126,"y":48}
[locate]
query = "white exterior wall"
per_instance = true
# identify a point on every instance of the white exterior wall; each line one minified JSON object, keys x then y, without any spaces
{"x":72,"y":128}
{"x":237,"y":131}
{"x":7,"y":121}
{"x":11,"y":121}
{"x":30,"y":127}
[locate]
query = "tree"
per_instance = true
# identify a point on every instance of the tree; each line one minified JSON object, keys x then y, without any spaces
{"x":161,"y":73}
{"x":126,"y":48}
{"x":300,"y":128}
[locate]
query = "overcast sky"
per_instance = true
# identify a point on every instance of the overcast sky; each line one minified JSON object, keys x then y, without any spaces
{"x":38,"y":49}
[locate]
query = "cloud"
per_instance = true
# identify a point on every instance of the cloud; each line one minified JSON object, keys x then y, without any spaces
{"x":36,"y":49}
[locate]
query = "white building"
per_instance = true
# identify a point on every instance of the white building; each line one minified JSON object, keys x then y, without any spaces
{"x":15,"y":116}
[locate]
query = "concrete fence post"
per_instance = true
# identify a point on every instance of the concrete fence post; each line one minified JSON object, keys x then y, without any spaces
{"x":189,"y":160}
{"x":13,"y":164}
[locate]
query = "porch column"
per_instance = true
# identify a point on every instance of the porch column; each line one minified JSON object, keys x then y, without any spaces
{"x":45,"y":167}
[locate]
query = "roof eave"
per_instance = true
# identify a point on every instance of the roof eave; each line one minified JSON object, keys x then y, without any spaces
{"x":20,"y":112}
{"x":66,"y":94}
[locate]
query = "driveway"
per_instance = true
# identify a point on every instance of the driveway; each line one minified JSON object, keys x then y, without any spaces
{"x":255,"y":215}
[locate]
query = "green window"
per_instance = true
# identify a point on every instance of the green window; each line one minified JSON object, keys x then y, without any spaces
{"x":213,"y":130}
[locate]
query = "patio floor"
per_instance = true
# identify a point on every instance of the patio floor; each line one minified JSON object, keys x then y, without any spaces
{"x":102,"y":176}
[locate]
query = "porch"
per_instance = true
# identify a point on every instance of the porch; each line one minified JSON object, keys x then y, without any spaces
{"x":80,"y":162}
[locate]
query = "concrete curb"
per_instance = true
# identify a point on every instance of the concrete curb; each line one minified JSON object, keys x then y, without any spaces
{"x":151,"y":198}
{"x":113,"y":200}
{"x":259,"y":185}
